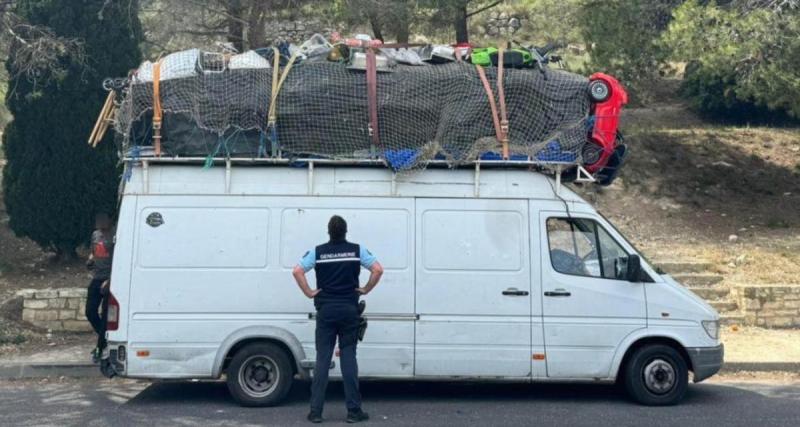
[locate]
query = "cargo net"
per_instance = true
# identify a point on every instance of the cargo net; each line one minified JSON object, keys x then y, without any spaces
{"x":219,"y":107}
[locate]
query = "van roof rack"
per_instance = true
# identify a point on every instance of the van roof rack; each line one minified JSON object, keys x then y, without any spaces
{"x":558,"y":169}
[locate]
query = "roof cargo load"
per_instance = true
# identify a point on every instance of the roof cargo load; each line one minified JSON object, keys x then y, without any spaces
{"x":200,"y":104}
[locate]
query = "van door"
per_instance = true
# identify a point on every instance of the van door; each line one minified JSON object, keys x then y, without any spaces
{"x":588,"y":307}
{"x":473,"y":288}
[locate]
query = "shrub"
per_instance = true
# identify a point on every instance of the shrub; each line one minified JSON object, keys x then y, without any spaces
{"x":53,"y":182}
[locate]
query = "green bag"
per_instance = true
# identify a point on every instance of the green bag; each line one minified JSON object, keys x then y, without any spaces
{"x":512,"y":58}
{"x":482,"y":56}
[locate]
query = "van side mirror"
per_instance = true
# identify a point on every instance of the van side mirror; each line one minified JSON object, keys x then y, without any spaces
{"x":634,"y":272}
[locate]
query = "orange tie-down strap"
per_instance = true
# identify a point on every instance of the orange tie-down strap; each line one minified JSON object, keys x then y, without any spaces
{"x":490,"y":94}
{"x":372,"y":96}
{"x":501,"y":95}
{"x":157,"y":112}
{"x":500,"y":119}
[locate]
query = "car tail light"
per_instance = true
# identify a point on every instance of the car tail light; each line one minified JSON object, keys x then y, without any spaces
{"x":112,"y":314}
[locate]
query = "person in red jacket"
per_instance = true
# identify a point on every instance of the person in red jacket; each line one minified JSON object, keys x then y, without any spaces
{"x":99,"y":264}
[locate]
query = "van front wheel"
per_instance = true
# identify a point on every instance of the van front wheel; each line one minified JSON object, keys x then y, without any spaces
{"x":259,"y":375}
{"x":656,"y":375}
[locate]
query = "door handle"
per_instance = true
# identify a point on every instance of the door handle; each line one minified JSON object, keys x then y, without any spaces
{"x":557,"y":293}
{"x":515,"y":292}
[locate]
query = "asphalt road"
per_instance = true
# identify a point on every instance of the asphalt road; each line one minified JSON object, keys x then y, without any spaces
{"x":123,"y":402}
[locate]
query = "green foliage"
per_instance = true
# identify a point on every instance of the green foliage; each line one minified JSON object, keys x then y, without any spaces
{"x":623,"y":39}
{"x":743,"y":62}
{"x":53,"y":182}
{"x":15,"y":339}
{"x":548,"y":20}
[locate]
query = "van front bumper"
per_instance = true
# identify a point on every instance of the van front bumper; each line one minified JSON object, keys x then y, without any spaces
{"x":706,"y":361}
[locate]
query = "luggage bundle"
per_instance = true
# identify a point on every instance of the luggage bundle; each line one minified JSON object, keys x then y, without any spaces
{"x":355,"y":100}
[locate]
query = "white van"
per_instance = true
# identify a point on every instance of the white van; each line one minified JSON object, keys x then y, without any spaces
{"x":490,"y":274}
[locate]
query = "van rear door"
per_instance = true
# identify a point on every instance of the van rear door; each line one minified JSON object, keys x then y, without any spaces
{"x":473,"y":288}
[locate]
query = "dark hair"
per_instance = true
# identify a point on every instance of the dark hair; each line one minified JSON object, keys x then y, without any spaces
{"x":337,"y":228}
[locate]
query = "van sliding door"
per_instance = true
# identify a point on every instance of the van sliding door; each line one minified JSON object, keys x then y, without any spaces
{"x":473,"y":293}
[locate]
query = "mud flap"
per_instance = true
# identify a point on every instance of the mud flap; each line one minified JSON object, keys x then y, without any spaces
{"x":107,"y":369}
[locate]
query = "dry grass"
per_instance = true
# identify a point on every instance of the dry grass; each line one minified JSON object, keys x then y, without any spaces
{"x":688,"y":185}
{"x":773,"y":259}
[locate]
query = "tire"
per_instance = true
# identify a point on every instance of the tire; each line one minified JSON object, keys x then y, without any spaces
{"x":260,"y":375}
{"x":656,"y":375}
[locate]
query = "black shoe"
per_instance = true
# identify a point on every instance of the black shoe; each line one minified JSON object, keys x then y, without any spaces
{"x":356,"y":417}
{"x":314,"y":417}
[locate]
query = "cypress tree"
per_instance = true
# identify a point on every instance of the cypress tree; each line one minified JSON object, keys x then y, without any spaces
{"x":54,"y":182}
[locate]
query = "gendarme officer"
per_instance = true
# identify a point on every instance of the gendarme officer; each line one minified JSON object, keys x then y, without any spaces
{"x":337,"y":265}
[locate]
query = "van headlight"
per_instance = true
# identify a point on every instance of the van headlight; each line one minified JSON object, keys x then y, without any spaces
{"x":712,"y":328}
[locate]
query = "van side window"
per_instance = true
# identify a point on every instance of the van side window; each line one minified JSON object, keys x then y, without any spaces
{"x":581,"y":247}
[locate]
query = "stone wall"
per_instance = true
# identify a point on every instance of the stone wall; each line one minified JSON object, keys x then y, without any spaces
{"x":295,"y":30}
{"x":770,"y":306}
{"x":501,"y":24}
{"x":59,"y":310}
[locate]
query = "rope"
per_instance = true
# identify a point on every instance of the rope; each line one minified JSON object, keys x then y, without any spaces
{"x":277,"y":83}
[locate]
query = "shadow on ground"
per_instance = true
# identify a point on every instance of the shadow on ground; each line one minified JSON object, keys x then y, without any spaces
{"x":171,"y":392}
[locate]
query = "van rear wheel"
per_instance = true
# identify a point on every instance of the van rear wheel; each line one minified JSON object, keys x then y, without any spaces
{"x":656,"y":375}
{"x":259,"y":375}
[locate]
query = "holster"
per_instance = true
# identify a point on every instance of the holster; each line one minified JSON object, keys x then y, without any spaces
{"x":362,"y":321}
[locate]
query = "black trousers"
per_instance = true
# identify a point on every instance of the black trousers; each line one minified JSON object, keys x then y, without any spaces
{"x":96,"y":308}
{"x":336,"y":320}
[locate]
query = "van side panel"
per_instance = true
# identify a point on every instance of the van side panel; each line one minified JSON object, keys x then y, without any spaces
{"x":212,"y":267}
{"x":199,"y":275}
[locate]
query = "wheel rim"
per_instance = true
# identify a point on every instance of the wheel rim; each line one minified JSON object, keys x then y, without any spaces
{"x":659,"y":376}
{"x":259,"y":376}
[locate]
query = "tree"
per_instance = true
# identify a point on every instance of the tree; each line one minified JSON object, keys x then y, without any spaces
{"x":53,"y":182}
{"x":623,"y":38}
{"x":385,"y":17}
{"x":743,"y":56}
{"x":241,"y":23}
{"x":37,"y":47}
{"x":458,"y":12}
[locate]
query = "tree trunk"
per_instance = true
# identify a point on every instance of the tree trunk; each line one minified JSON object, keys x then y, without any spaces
{"x":460,"y":24}
{"x":235,"y":24}
{"x":377,"y":31}
{"x":402,"y":30}
{"x":65,"y":252}
{"x":256,"y":36}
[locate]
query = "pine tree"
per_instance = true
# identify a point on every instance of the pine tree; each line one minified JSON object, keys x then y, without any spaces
{"x":54,"y":182}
